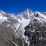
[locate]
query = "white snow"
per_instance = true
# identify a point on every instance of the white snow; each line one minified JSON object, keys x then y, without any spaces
{"x":17,"y":25}
{"x":24,"y":22}
{"x":26,"y":40}
{"x":41,"y":18}
{"x":8,"y":25}
{"x":41,"y":15}
{"x":2,"y":18}
{"x":14,"y":43}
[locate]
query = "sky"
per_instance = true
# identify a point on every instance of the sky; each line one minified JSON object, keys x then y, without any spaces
{"x":18,"y":6}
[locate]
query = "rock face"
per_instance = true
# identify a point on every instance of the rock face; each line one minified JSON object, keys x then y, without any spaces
{"x":36,"y":33}
{"x":25,"y":29}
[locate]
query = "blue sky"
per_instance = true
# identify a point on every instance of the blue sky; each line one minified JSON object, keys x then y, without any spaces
{"x":17,"y":6}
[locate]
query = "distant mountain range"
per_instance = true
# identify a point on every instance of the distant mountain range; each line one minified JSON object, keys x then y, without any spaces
{"x":24,"y":29}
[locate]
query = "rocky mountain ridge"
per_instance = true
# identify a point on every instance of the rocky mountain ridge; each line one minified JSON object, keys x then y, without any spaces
{"x":17,"y":30}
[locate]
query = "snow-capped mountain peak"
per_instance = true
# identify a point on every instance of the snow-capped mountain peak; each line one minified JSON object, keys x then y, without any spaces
{"x":24,"y":17}
{"x":25,"y":22}
{"x":27,"y":16}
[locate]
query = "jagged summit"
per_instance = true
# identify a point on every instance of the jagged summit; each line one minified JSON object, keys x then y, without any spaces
{"x":28,"y":10}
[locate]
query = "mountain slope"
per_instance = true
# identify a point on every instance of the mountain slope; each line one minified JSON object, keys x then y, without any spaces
{"x":9,"y":34}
